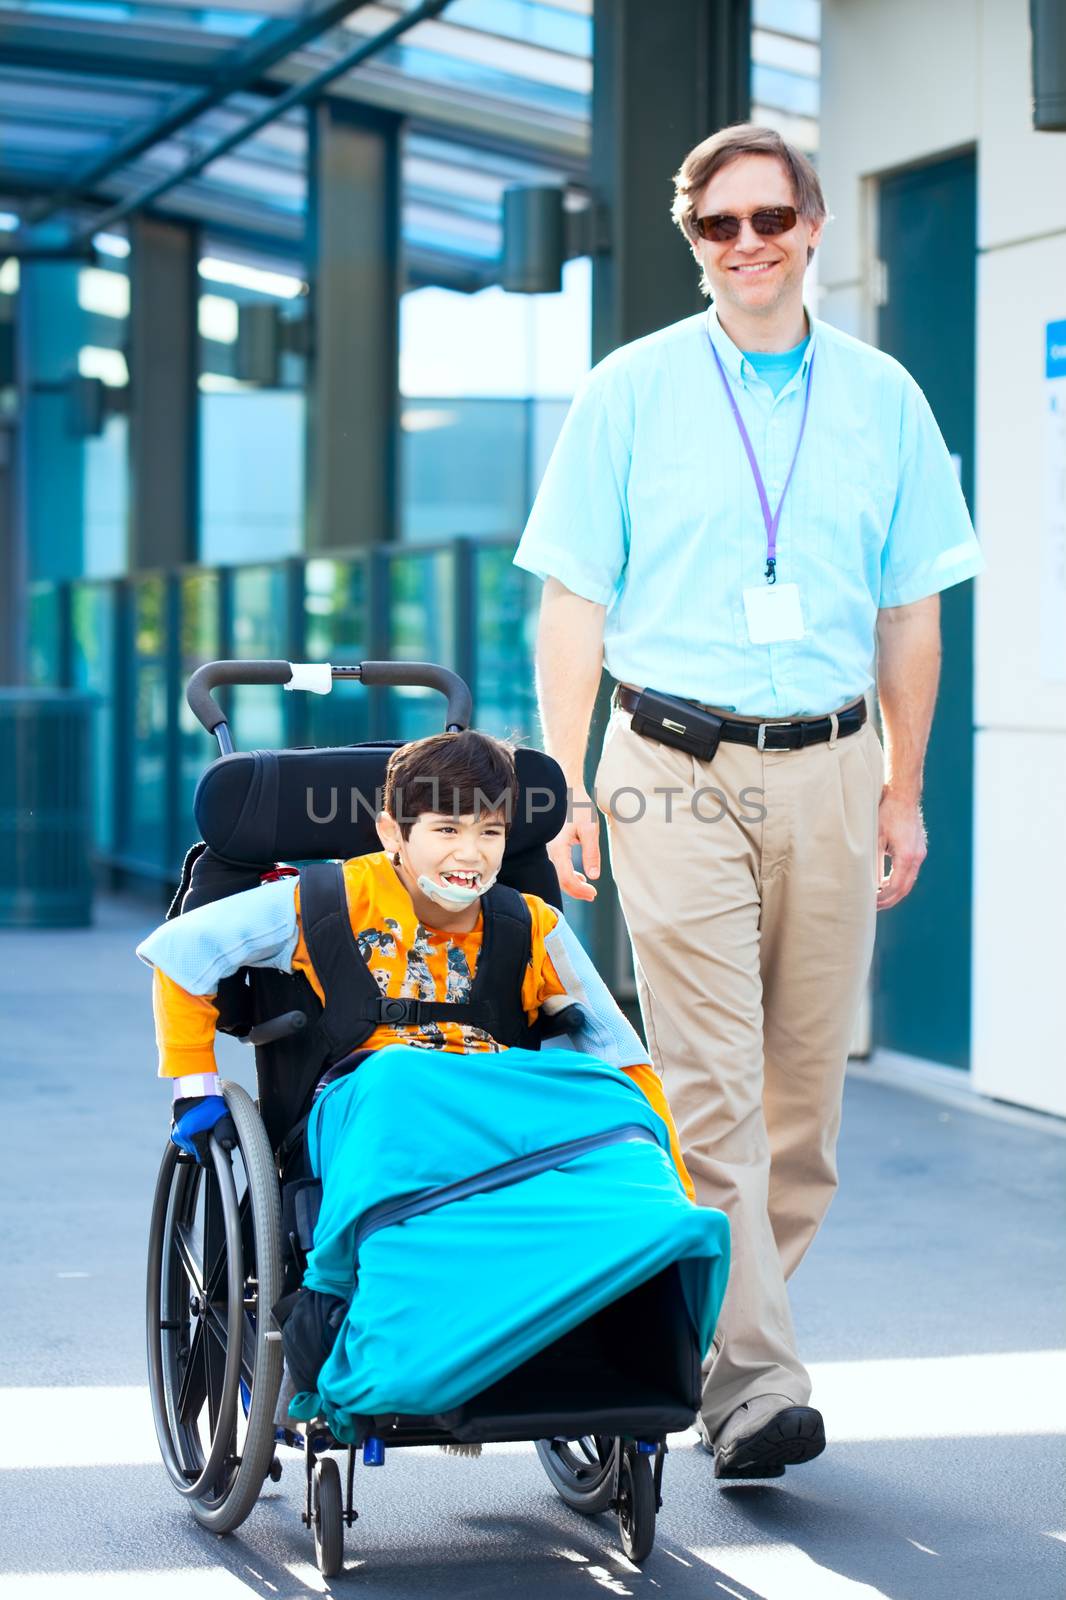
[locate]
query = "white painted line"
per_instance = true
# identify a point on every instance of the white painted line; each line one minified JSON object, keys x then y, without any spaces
{"x":1014,"y":1394}
{"x":783,"y":1572}
{"x":208,"y":1583}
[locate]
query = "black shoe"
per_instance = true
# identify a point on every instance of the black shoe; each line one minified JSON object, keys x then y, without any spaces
{"x":786,"y":1438}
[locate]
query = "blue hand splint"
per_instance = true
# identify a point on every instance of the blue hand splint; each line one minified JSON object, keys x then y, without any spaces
{"x":199,"y":1119}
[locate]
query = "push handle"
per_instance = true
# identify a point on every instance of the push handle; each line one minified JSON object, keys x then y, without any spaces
{"x":421,"y":675}
{"x":319,"y":678}
{"x":213,"y":674}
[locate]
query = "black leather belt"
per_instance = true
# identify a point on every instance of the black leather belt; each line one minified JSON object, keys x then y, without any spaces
{"x":777,"y":735}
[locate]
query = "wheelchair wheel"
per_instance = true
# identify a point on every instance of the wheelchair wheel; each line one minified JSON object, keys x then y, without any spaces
{"x":580,"y":1470}
{"x":636,"y":1505}
{"x":214,"y":1360}
{"x":327,"y":1517}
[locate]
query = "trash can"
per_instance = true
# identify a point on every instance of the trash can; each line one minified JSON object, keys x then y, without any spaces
{"x":45,"y":801}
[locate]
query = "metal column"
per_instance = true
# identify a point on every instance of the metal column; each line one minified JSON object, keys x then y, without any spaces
{"x":665,"y":77}
{"x":164,"y":434}
{"x":353,"y":398}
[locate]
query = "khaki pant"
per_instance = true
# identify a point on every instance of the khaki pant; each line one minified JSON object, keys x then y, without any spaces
{"x":750,"y":897}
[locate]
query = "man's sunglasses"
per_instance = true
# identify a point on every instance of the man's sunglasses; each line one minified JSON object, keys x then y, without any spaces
{"x":767,"y":221}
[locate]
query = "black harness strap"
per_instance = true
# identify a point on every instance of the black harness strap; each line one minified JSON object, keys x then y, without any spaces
{"x":506,"y":952}
{"x":355,"y":1005}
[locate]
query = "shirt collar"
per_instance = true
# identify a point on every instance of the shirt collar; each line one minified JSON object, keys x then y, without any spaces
{"x":734,"y":360}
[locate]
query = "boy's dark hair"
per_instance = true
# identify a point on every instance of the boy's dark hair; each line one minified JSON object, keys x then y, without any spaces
{"x":457,"y":774}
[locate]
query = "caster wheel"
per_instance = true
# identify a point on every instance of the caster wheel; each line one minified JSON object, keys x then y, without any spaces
{"x":328,"y":1517}
{"x":636,"y":1505}
{"x":274,"y":1470}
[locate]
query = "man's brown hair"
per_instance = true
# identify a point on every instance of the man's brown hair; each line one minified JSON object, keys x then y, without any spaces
{"x":729,"y":144}
{"x":457,"y":774}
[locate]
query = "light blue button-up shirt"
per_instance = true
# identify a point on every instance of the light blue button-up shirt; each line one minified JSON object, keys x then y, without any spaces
{"x":649,"y":508}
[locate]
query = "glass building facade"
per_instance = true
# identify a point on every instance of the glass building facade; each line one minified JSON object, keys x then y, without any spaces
{"x":173,"y":486}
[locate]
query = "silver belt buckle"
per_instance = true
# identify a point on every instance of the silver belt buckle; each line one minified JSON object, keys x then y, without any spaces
{"x":760,"y":743}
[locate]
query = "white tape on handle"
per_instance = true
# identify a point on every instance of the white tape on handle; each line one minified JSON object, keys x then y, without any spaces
{"x":315,"y":676}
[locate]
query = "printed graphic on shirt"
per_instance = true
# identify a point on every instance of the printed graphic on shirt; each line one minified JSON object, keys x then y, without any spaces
{"x":383,"y":939}
{"x":410,"y":961}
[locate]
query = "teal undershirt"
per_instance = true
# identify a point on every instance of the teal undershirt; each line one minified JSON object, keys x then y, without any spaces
{"x":777,"y":367}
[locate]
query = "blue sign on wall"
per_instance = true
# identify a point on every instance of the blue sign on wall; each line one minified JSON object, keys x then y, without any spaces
{"x":1056,"y":349}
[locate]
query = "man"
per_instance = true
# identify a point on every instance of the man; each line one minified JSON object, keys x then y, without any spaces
{"x":742,"y":509}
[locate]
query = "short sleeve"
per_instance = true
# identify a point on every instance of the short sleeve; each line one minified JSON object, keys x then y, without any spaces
{"x":931,"y":544}
{"x":578,"y":530}
{"x":540,"y":982}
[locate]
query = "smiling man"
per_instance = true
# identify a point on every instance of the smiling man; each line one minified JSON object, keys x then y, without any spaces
{"x":743,"y":514}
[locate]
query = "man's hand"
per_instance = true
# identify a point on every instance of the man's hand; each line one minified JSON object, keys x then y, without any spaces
{"x":569,"y":665}
{"x":582,"y":828}
{"x":901,"y":836}
{"x":908,"y":670}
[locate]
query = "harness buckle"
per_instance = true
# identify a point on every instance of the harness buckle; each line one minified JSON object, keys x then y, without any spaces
{"x":760,"y":742}
{"x":399,"y":1011}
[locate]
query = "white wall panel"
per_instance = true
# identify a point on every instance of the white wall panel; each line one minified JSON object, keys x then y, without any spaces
{"x":1021,"y":174}
{"x":1019,"y":290}
{"x":903,"y":82}
{"x":900,"y":82}
{"x":845,"y":308}
{"x":1019,"y":1049}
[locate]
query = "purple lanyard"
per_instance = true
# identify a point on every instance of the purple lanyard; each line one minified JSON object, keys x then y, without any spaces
{"x":771,"y":521}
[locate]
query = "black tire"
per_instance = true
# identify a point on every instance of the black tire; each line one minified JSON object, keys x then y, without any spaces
{"x":214,"y":1360}
{"x":580,"y":1471}
{"x":328,"y":1517}
{"x":636,"y":1505}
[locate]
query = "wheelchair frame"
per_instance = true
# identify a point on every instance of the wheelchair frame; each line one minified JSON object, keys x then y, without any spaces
{"x":215,"y":1272}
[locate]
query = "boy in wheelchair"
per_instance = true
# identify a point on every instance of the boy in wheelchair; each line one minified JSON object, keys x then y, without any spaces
{"x":421,"y":917}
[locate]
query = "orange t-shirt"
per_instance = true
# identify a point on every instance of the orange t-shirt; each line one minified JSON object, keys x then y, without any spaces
{"x":409,"y":961}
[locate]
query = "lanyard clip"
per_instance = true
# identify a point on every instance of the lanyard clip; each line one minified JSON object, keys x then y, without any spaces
{"x":771,"y":569}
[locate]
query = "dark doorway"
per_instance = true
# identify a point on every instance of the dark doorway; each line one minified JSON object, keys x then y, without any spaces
{"x":927,"y":219}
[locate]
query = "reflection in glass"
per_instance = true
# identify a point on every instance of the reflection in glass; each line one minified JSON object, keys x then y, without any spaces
{"x":422,"y":621}
{"x":336,"y":630}
{"x":92,"y":624}
{"x":146,"y":825}
{"x":505,"y":607}
{"x":260,"y":632}
{"x":44,"y":635}
{"x":199,"y":625}
{"x":252,"y":464}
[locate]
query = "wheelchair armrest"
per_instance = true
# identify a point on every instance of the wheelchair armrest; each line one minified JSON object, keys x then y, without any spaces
{"x":276,"y":1028}
{"x":570,"y":1019}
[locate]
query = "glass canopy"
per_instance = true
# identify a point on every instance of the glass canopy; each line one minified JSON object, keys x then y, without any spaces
{"x":493,"y":93}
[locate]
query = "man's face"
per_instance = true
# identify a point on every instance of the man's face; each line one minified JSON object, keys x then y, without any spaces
{"x":457,"y":850}
{"x":753,"y":273}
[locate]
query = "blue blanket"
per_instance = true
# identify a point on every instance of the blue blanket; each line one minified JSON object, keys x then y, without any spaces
{"x":448,"y":1301}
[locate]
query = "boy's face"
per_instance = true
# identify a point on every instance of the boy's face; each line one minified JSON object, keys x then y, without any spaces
{"x":457,"y":850}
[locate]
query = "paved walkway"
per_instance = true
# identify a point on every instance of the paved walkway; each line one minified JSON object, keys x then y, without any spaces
{"x":931,"y":1308}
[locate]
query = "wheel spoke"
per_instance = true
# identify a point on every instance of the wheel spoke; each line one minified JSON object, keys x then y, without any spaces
{"x":214,"y":1236}
{"x":193,"y":1390}
{"x":216,"y":1324}
{"x":186,"y":1251}
{"x":215,"y":1362}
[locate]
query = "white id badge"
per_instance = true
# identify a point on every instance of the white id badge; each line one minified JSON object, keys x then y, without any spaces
{"x":773,"y":613}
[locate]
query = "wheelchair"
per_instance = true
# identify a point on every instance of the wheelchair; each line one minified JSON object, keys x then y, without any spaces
{"x":228,"y":1240}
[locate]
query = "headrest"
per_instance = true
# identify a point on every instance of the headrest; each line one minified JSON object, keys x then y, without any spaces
{"x":262,"y":806}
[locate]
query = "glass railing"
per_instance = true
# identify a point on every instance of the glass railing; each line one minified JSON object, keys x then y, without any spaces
{"x":134,"y":642}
